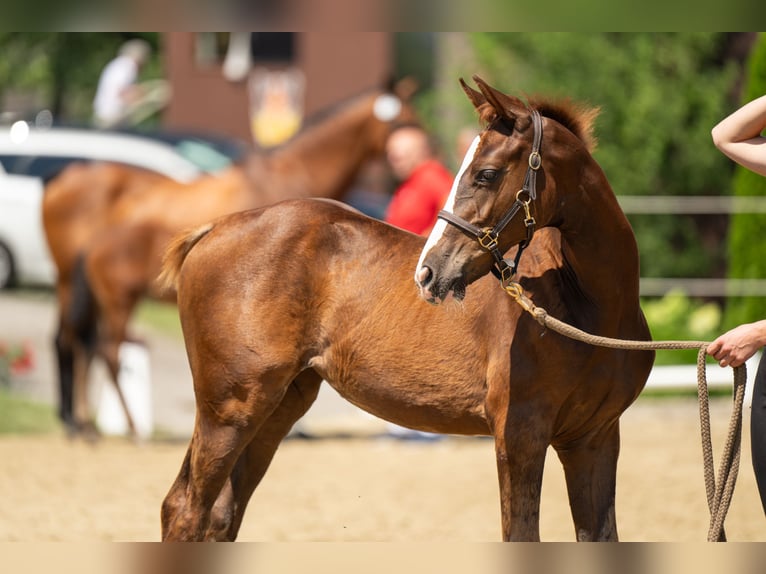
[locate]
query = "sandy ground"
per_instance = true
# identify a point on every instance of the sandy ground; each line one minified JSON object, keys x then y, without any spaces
{"x":331,"y":489}
{"x":371,"y":489}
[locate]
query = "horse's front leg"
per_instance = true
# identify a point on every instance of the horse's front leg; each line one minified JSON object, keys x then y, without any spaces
{"x":590,"y":466}
{"x":521,"y":440}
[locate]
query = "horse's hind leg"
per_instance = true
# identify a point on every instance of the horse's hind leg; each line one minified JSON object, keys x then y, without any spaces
{"x":115,"y":300}
{"x":590,"y":466}
{"x":112,"y":336}
{"x":229,"y":414}
{"x":65,"y":364}
{"x":84,"y":423}
{"x":257,"y":455}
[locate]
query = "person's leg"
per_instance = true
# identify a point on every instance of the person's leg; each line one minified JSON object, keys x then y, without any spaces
{"x":758,"y":429}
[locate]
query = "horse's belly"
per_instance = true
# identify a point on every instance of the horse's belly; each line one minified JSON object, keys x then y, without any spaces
{"x":428,"y":403}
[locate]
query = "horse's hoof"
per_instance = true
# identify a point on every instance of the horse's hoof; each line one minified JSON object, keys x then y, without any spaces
{"x":90,"y":433}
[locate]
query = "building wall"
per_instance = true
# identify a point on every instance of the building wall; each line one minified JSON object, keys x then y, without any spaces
{"x":336,"y":66}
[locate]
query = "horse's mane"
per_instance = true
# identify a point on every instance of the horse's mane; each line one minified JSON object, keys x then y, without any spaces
{"x":577,"y":118}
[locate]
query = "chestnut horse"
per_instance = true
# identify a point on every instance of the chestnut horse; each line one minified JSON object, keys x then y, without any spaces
{"x":75,"y":208}
{"x":273,"y":301}
{"x":123,"y":254}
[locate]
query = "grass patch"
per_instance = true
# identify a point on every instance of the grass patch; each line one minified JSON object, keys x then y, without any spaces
{"x":22,"y":416}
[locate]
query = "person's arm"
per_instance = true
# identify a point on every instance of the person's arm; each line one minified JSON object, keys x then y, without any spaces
{"x":739,"y":136}
{"x":735,"y":347}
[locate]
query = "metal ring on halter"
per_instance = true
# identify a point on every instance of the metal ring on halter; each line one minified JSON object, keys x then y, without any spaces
{"x":523,"y":202}
{"x":535,"y":160}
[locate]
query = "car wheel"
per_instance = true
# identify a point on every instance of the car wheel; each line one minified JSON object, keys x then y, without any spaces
{"x":6,"y":267}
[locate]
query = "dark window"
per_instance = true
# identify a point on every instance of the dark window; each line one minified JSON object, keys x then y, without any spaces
{"x":274,"y":47}
{"x":44,"y":167}
{"x":265,"y":47}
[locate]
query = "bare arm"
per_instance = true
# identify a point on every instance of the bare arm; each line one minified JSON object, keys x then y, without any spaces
{"x":739,"y":136}
{"x":736,"y":346}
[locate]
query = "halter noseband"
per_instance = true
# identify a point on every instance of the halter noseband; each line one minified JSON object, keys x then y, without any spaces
{"x":488,"y":237}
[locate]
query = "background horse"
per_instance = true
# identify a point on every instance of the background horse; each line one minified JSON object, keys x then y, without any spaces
{"x":122,"y":257}
{"x":272,"y":301}
{"x":74,"y":209}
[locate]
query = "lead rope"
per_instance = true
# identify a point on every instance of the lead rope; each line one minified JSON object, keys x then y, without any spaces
{"x":718,"y":495}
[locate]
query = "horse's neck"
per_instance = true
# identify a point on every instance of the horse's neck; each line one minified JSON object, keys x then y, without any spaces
{"x":325,"y":159}
{"x":598,"y":245}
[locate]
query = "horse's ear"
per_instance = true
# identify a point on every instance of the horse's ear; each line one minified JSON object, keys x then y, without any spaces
{"x":506,"y":106}
{"x":405,"y":88}
{"x":476,"y":97}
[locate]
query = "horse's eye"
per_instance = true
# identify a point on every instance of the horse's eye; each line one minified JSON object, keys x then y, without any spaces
{"x":487,"y":175}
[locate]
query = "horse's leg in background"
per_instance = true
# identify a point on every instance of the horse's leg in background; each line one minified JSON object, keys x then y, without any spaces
{"x":79,"y":338}
{"x":256,"y":457}
{"x":82,"y":359}
{"x":115,"y":320}
{"x":229,"y":414}
{"x":65,"y":365}
{"x":590,"y":467}
{"x":116,"y":274}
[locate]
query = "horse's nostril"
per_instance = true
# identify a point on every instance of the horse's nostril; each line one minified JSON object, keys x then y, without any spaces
{"x":424,"y":276}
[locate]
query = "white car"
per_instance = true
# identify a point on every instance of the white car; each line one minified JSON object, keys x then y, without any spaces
{"x":30,"y":157}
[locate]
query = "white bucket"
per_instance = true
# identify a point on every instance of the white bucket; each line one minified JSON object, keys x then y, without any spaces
{"x":135,"y":381}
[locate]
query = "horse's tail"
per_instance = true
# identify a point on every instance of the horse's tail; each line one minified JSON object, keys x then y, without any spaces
{"x":176,"y":253}
{"x":83,"y":311}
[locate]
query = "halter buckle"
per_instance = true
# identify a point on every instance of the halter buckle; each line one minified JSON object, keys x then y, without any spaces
{"x":489,"y":240}
{"x":507,"y":273}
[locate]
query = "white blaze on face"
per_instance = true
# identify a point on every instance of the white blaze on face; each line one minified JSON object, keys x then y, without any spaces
{"x":441,"y":225}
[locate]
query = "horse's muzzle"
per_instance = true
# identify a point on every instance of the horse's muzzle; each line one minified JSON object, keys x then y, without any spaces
{"x":435,"y":291}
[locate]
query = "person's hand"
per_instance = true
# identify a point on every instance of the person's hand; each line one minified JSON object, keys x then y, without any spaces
{"x":735,"y":347}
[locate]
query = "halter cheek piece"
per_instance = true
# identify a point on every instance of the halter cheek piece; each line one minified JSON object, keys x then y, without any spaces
{"x":488,"y":237}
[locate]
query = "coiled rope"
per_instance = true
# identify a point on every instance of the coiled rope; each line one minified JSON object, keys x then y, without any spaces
{"x":719,"y":493}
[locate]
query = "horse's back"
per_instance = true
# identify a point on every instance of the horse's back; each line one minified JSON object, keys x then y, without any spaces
{"x":76,"y":203}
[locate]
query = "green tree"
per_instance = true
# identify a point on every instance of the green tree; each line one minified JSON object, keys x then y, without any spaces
{"x":747,"y":241}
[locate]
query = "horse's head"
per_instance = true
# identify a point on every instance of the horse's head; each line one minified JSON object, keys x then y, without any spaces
{"x":502,"y":193}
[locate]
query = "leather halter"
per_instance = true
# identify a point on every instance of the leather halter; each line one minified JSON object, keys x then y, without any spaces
{"x":488,"y":237}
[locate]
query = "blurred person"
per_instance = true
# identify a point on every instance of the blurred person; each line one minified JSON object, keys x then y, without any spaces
{"x":120,"y":99}
{"x":739,"y":137}
{"x":424,"y":182}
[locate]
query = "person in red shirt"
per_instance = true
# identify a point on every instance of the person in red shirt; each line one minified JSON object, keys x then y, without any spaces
{"x":424,"y":182}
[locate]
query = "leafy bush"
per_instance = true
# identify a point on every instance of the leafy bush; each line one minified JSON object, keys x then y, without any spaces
{"x":677,"y":317}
